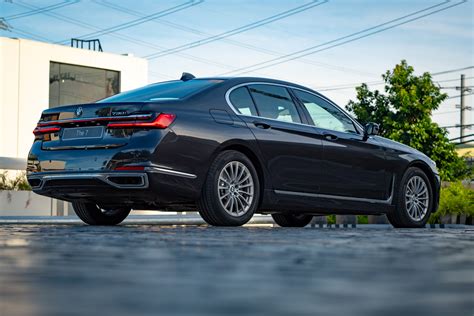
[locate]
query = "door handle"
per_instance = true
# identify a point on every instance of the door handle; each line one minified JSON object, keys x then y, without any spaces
{"x":261,"y":125}
{"x":330,"y":136}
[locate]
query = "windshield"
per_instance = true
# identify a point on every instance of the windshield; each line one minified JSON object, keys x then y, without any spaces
{"x":170,"y":90}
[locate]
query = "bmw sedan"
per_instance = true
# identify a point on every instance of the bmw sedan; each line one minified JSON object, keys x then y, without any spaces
{"x":228,"y":148}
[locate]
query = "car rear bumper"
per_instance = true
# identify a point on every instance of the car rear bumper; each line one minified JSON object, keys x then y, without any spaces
{"x":119,"y":180}
{"x":154,"y":187}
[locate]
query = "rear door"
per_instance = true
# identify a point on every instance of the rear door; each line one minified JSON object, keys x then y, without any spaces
{"x":353,"y":165}
{"x":292,"y":150}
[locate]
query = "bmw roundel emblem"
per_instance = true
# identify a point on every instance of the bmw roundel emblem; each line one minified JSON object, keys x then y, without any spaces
{"x":79,"y":111}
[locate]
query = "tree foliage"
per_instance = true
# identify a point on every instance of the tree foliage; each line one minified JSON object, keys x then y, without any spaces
{"x":403,"y":111}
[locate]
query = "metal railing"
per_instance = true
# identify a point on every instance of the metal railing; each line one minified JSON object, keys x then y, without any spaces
{"x":93,"y":44}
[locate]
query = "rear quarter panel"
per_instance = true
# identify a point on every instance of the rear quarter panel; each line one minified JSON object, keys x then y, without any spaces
{"x":196,"y":136}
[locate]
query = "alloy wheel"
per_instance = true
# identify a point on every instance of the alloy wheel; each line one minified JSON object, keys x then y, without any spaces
{"x":235,"y":188}
{"x":417,"y":198}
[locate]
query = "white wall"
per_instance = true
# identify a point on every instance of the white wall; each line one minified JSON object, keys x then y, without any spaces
{"x":24,"y":84}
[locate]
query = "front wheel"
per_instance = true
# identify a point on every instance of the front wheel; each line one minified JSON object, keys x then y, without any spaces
{"x":92,"y":214}
{"x":292,"y":220}
{"x":414,"y":200}
{"x":231,"y":192}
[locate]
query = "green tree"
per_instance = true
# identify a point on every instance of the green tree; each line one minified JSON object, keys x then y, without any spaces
{"x":403,"y":111}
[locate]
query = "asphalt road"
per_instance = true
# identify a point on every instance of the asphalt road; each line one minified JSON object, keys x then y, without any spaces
{"x":152,"y":270}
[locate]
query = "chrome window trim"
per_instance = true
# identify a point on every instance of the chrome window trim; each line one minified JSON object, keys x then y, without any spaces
{"x":358,"y":126}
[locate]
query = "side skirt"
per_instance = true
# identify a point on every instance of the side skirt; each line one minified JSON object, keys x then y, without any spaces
{"x":303,"y":202}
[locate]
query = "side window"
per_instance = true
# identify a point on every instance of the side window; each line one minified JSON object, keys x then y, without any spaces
{"x":274,"y":102}
{"x":325,"y":115}
{"x":242,"y":101}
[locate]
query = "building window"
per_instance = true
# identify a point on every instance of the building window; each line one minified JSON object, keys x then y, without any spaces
{"x":71,"y":84}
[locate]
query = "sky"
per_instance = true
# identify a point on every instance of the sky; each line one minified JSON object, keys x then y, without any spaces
{"x":263,"y":32}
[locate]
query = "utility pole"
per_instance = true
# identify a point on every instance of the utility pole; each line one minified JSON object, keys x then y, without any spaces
{"x":462,"y":107}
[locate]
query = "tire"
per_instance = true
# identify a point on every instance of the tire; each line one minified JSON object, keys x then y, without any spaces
{"x":92,"y":214}
{"x":213,"y":201}
{"x":405,"y":216}
{"x":291,"y":220}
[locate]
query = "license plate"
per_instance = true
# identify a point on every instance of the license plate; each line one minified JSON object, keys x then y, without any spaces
{"x":83,"y":132}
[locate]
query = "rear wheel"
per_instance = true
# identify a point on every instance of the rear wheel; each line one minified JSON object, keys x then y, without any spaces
{"x":231,"y":192}
{"x":414,"y":200}
{"x":92,"y":214}
{"x":292,"y":220}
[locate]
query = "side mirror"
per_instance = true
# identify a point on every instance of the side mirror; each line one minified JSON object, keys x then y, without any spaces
{"x":371,"y":129}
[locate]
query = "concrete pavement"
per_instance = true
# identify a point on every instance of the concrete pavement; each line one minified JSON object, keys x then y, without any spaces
{"x":198,"y":270}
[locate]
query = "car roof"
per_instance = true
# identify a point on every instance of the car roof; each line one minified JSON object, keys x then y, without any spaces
{"x":231,"y":81}
{"x":240,"y":80}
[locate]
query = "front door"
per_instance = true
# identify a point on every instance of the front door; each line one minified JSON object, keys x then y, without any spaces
{"x":353,"y":165}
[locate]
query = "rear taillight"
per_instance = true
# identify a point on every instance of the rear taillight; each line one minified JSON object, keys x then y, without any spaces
{"x":162,"y":121}
{"x":46,"y":130}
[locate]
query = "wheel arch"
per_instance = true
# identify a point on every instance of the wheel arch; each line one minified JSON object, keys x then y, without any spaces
{"x":250,"y":153}
{"x":431,"y":177}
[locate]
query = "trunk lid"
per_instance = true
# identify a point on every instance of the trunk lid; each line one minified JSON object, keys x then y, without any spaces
{"x":84,"y":126}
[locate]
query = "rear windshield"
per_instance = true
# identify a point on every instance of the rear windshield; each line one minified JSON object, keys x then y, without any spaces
{"x":170,"y":90}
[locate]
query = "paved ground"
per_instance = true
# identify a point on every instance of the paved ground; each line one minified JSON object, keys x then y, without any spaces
{"x":150,"y":270}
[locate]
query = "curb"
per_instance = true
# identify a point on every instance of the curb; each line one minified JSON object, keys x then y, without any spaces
{"x":388,"y":226}
{"x":165,"y":220}
{"x":195,"y":220}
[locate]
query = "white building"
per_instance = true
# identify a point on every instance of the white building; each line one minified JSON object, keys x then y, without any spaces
{"x":36,"y":75}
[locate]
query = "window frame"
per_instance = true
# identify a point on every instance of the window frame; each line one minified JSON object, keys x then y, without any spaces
{"x":60,"y":63}
{"x":296,"y":104}
{"x":302,"y":112}
{"x":359,"y":129}
{"x":236,"y":109}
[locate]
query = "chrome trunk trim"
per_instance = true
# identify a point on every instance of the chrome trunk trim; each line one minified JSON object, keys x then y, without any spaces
{"x":155,"y":169}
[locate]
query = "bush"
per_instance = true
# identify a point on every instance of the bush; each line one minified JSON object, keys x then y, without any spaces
{"x":18,"y":183}
{"x":331,"y":219}
{"x":454,"y":200}
{"x":362,"y":219}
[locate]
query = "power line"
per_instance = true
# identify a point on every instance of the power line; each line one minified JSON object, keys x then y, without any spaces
{"x":458,"y":96}
{"x":457,"y":126}
{"x":226,"y":40}
{"x":454,"y":87}
{"x":469,"y":141}
{"x":451,"y":70}
{"x":349,"y":86}
{"x":309,"y":51}
{"x":142,"y":20}
{"x":241,"y":29}
{"x":451,"y":80}
{"x":462,"y":137}
{"x":446,"y":112}
{"x":41,"y":10}
{"x":370,"y":83}
{"x":31,"y":35}
{"x":119,"y":36}
{"x":350,"y":38}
